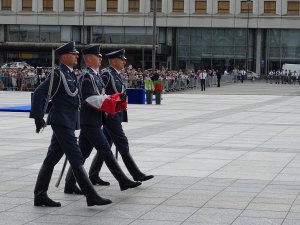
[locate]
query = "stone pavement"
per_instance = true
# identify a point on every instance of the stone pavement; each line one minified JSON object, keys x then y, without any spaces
{"x":229,"y":155}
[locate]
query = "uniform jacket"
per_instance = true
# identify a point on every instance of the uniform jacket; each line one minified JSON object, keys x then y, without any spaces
{"x":88,"y":115}
{"x":106,"y":75}
{"x":64,"y":110}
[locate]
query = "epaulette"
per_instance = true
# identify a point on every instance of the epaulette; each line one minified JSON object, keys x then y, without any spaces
{"x":106,"y":70}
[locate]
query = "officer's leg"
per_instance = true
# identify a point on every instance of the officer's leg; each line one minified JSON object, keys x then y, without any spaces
{"x":119,"y":138}
{"x":97,"y":165}
{"x":68,"y":143}
{"x":97,"y":138}
{"x":40,"y":191}
{"x":70,"y":181}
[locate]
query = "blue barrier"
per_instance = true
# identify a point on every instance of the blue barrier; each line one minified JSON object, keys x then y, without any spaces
{"x":136,"y":95}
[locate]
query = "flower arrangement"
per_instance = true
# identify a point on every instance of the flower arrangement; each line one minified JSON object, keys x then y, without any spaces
{"x":158,"y":86}
{"x":149,"y":87}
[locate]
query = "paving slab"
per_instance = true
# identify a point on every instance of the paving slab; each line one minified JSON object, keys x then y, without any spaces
{"x":226,"y":156}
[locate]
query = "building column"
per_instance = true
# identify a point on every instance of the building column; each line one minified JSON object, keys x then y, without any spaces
{"x":55,"y":5}
{"x":78,"y":6}
{"x":18,"y":6}
{"x":167,"y":6}
{"x":187,"y":6}
{"x":164,"y":6}
{"x":60,"y":6}
{"x":210,"y":6}
{"x":258,"y":51}
{"x":123,"y":6}
{"x":192,"y":6}
{"x":143,"y":6}
{"x":232,"y":8}
{"x":36,"y":5}
{"x":101,"y":6}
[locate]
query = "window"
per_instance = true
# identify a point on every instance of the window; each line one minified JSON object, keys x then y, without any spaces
{"x":178,"y":5}
{"x":246,"y":6}
{"x":6,"y":5}
{"x":134,"y":6}
{"x":293,"y":8}
{"x":90,"y":5}
{"x":158,"y":5}
{"x":270,"y":7}
{"x":112,"y":5}
{"x":48,"y":5}
{"x":223,"y":6}
{"x":68,"y":5}
{"x":26,"y":5}
{"x":200,"y":6}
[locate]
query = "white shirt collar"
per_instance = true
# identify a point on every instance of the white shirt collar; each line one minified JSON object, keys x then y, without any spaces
{"x":118,"y":71}
{"x":95,"y":71}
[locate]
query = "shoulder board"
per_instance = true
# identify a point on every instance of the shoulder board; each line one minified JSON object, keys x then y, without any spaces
{"x":106,"y":70}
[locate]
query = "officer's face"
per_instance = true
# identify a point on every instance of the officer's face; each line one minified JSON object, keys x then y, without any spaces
{"x":121,"y":63}
{"x":93,"y":61}
{"x":69,"y":59}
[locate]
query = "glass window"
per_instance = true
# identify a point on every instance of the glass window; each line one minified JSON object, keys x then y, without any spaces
{"x":270,"y":7}
{"x":68,"y":5}
{"x":6,"y":5}
{"x":223,"y":7}
{"x":13,"y":33}
{"x":246,"y":6}
{"x":134,"y":6}
{"x":49,"y":34}
{"x":48,"y":5}
{"x":293,"y":8}
{"x":158,"y":5}
{"x":178,"y":5}
{"x":26,"y":5}
{"x":113,"y":35}
{"x":29,"y":33}
{"x":90,"y":5}
{"x":76,"y":33}
{"x":200,"y":6}
{"x":112,"y":5}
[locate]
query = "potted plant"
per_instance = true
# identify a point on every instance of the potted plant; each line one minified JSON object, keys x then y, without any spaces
{"x":158,"y":88}
{"x":149,"y":88}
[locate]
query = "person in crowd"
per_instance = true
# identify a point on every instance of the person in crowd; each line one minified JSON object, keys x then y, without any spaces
{"x":113,"y":129}
{"x":243,"y":75}
{"x":63,"y":118}
{"x":91,"y":135}
{"x":219,"y":75}
{"x":202,"y":77}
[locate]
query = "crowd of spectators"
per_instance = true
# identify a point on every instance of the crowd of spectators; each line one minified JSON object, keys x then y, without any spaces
{"x":27,"y":79}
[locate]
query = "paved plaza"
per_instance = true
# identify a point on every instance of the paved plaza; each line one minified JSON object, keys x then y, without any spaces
{"x":227,"y":156}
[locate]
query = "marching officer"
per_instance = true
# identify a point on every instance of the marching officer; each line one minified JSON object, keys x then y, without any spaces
{"x":113,"y":124}
{"x":91,"y":134}
{"x":63,"y":118}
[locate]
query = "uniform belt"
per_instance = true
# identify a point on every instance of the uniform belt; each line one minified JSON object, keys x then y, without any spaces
{"x":66,"y":106}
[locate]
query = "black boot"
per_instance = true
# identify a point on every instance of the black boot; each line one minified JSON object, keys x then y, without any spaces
{"x":133,"y":168}
{"x":117,"y":172}
{"x":92,"y":198}
{"x":95,"y":170}
{"x":40,"y":191}
{"x":70,"y":184}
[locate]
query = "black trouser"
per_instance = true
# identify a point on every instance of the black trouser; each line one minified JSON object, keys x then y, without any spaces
{"x":63,"y":141}
{"x":202,"y":82}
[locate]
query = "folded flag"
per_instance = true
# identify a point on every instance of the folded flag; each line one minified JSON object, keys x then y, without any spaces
{"x":110,"y":104}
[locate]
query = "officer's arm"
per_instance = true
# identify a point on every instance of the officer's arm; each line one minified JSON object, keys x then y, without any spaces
{"x":40,"y":95}
{"x":87,"y":88}
{"x":105,"y":77}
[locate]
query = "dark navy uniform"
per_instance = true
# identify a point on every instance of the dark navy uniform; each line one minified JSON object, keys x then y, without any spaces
{"x":113,"y":129}
{"x":91,"y":135}
{"x":64,"y":119}
{"x":63,"y":116}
